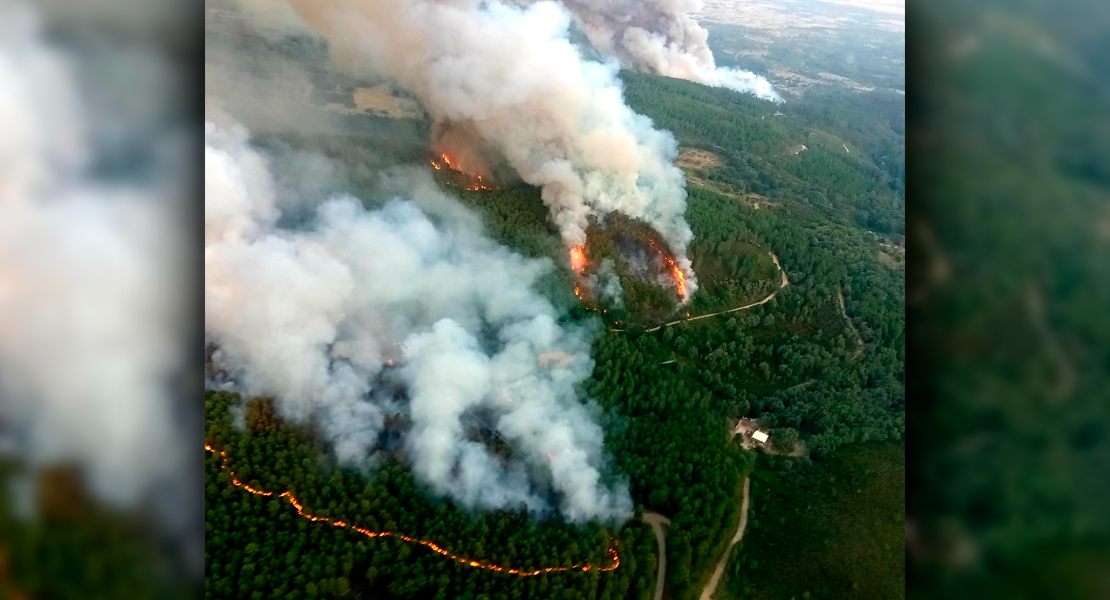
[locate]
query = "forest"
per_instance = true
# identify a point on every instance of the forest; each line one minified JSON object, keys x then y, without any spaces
{"x":821,"y":364}
{"x":808,"y":370}
{"x":829,"y":529}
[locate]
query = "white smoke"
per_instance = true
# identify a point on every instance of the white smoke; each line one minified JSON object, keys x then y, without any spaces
{"x":511,"y":75}
{"x":91,"y":311}
{"x":661,"y":37}
{"x":313,"y":317}
{"x":607,"y":284}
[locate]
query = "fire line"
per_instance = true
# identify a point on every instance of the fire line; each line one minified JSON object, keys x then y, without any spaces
{"x":470,"y":183}
{"x":426,"y":543}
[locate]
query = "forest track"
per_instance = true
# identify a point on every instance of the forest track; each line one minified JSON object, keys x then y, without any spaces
{"x":785,"y":282}
{"x":801,"y":385}
{"x":657,"y":521}
{"x":843,"y":312}
{"x":711,"y":587}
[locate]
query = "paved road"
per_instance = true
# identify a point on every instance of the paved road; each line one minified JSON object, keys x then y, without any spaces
{"x":657,"y":521}
{"x":707,"y":593}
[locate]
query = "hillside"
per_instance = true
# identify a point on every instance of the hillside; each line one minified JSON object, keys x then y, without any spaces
{"x":667,"y":398}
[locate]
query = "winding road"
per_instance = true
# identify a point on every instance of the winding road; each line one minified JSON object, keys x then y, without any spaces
{"x":785,"y":282}
{"x":657,"y":521}
{"x":707,"y":593}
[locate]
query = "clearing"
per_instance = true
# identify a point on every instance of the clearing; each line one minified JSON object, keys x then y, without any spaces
{"x":697,"y":159}
{"x":379,"y":100}
{"x":755,"y":200}
{"x":746,"y":427}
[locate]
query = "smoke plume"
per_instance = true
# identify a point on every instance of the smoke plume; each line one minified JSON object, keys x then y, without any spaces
{"x":412,"y":292}
{"x":661,"y":37}
{"x":607,"y":284}
{"x":511,"y":75}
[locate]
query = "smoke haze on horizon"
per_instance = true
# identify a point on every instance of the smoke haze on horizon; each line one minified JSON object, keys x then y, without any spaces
{"x":661,"y":37}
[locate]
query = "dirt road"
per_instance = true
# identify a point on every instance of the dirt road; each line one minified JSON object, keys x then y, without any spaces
{"x":785,"y":282}
{"x":859,"y":340}
{"x":711,"y":587}
{"x":657,"y":521}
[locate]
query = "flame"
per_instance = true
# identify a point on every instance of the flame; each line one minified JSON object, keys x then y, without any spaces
{"x":468,"y":183}
{"x":679,"y":279}
{"x":578,"y":259}
{"x":426,"y":543}
{"x":676,"y":273}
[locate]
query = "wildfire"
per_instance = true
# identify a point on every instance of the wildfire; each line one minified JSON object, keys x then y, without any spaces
{"x":578,"y":265}
{"x":679,"y":278}
{"x":426,"y":543}
{"x":676,"y":273}
{"x":463,"y":180}
{"x":578,"y":259}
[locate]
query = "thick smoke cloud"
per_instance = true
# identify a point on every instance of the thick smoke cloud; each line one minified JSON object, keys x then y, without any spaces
{"x":662,"y":37}
{"x":511,"y":75}
{"x":93,"y":260}
{"x":413,"y":293}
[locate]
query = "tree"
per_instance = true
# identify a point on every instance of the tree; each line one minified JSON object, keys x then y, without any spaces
{"x":785,"y":439}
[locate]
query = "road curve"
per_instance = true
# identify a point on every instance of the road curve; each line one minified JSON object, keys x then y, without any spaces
{"x":657,"y":521}
{"x":707,"y":593}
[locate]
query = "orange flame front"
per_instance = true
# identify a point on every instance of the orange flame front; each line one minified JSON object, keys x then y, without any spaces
{"x":679,"y":278}
{"x":578,"y":259}
{"x":676,"y":273}
{"x":578,"y":265}
{"x":426,"y":543}
{"x":471,"y":184}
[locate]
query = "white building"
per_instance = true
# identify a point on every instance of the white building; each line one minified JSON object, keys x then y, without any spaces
{"x":760,"y":437}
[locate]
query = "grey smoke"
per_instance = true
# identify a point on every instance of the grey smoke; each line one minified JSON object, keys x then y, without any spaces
{"x":312,"y":317}
{"x":510,"y":74}
{"x":661,"y":37}
{"x":607,"y":284}
{"x":92,"y":248}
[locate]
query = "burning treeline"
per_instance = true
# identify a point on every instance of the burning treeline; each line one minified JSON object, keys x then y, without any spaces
{"x":635,"y":245}
{"x":457,"y":176}
{"x":585,"y":567}
{"x":675,"y":273}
